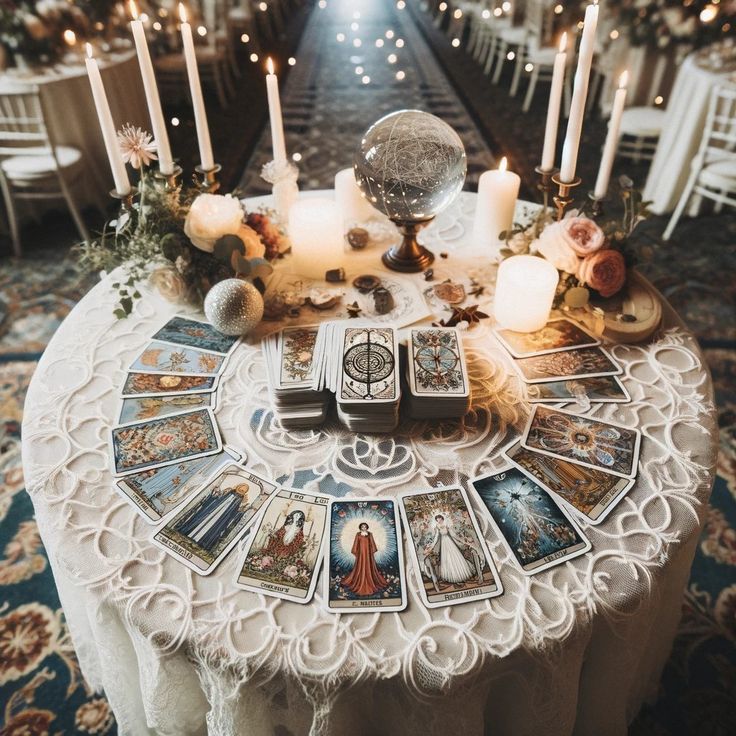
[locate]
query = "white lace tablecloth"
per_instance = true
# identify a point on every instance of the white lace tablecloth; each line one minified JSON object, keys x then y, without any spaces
{"x":574,"y":649}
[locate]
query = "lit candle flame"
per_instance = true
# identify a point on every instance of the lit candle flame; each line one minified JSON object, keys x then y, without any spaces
{"x":563,"y":42}
{"x":70,"y":37}
{"x":503,"y":165}
{"x":182,"y":13}
{"x":88,"y":47}
{"x":623,"y":80}
{"x":133,"y":9}
{"x":269,"y":65}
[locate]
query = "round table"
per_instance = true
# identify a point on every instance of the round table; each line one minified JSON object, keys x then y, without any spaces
{"x":72,"y":120}
{"x":574,"y":649}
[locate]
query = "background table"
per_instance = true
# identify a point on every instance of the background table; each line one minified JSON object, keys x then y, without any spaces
{"x":72,"y":120}
{"x":575,"y":648}
{"x":681,"y":134}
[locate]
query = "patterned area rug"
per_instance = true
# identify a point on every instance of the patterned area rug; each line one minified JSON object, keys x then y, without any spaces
{"x":41,"y":690}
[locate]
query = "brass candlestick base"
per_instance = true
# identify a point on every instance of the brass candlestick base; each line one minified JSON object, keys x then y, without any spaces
{"x":563,"y":199}
{"x":208,"y":183}
{"x":126,"y":200}
{"x":168,"y":182}
{"x":409,"y":256}
{"x":596,"y":209}
{"x":545,"y":184}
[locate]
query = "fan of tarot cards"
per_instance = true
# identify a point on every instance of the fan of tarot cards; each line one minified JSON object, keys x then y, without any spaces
{"x":201,"y":499}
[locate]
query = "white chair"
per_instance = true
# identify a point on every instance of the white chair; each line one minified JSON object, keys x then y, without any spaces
{"x":509,"y":41}
{"x":32,"y":167}
{"x":713,"y":170}
{"x":640,"y":131}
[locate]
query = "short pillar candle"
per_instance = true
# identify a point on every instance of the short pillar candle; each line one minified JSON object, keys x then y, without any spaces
{"x":353,"y":205}
{"x":525,"y":290}
{"x":316,"y":234}
{"x":494,"y":210}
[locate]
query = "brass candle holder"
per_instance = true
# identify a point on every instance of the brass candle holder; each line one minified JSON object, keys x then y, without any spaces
{"x":563,"y":199}
{"x":596,"y":208}
{"x":168,"y":182}
{"x":409,"y":256}
{"x":545,"y":184}
{"x":125,"y":200}
{"x":208,"y":183}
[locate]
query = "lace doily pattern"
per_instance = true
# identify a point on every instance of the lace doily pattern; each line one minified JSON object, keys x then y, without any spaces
{"x":126,"y":599}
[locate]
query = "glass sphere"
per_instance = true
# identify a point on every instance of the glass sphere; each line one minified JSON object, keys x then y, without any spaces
{"x":410,"y":165}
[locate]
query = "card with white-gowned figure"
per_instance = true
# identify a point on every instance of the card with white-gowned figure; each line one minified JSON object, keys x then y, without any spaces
{"x":450,"y":556}
{"x":285,"y":548}
{"x":365,"y":561}
{"x":209,"y":526}
{"x":534,"y":528}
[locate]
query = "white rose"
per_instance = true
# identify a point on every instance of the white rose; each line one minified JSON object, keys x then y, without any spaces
{"x":552,"y":245}
{"x":210,"y":217}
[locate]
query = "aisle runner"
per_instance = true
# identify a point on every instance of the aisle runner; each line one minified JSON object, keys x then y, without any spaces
{"x":327,"y":106}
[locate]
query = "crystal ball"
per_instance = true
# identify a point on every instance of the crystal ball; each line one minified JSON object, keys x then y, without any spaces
{"x":410,"y":165}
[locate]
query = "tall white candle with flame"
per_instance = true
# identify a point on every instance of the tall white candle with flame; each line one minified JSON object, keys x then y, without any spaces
{"x":494,"y":209}
{"x":525,"y":288}
{"x":158,"y":126}
{"x":317,"y":242}
{"x":117,"y":165}
{"x":207,"y":160}
{"x":553,"y":109}
{"x":274,"y":111}
{"x":609,"y":149}
{"x":579,"y":96}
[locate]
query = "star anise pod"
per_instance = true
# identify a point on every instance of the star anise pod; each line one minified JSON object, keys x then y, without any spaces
{"x":353,"y":310}
{"x":471,"y":315}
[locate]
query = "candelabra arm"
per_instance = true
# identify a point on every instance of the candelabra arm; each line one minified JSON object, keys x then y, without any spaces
{"x":168,"y":182}
{"x":545,"y":185}
{"x":208,"y":183}
{"x":563,"y":199}
{"x":596,"y":209}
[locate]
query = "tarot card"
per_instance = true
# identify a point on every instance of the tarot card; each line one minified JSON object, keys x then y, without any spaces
{"x":592,"y":493}
{"x":192,"y":333}
{"x":163,"y":441}
{"x":138,"y":409}
{"x":157,"y":493}
{"x":437,"y":363}
{"x":586,"y":441}
{"x":157,"y":384}
{"x":160,"y":357}
{"x":285,"y":549}
{"x":600,"y":390}
{"x":579,"y":363}
{"x":364,"y":562}
{"x":556,"y":335}
{"x":369,"y":365}
{"x":534,"y":528}
{"x":209,"y":526}
{"x":449,"y":554}
{"x":296,"y":351}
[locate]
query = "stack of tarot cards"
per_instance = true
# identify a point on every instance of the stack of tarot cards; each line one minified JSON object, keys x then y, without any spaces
{"x":368,"y":384}
{"x":437,"y":374}
{"x":289,"y":356}
{"x":562,"y":362}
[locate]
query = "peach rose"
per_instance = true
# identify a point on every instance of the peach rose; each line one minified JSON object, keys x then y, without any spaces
{"x":169,"y":283}
{"x":553,"y":245}
{"x":254,"y":247}
{"x":604,"y":271}
{"x":583,"y":235}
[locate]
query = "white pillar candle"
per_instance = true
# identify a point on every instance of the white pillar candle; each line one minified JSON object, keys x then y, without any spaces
{"x":109,"y":135}
{"x":525,"y":289}
{"x":553,"y":109}
{"x":315,"y":231}
{"x":609,"y":149}
{"x":158,"y":126}
{"x":274,"y":111}
{"x":579,"y":96}
{"x":207,"y":160}
{"x":354,"y":207}
{"x":494,"y":208}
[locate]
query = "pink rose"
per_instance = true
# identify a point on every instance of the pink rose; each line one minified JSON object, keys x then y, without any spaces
{"x":583,"y":235}
{"x":553,"y":245}
{"x":604,"y":271}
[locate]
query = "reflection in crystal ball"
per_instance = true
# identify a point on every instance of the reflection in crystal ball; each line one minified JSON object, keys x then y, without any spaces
{"x":410,"y":165}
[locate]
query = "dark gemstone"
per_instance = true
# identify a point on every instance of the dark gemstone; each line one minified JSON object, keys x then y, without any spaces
{"x":383,"y":300}
{"x":628,"y":318}
{"x":366,"y":283}
{"x":429,"y":274}
{"x":335,"y":275}
{"x":358,"y":237}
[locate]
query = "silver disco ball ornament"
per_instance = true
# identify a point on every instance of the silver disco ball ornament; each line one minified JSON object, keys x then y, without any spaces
{"x":410,"y":165}
{"x":233,"y":306}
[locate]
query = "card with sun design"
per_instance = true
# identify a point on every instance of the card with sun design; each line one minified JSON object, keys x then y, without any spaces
{"x":578,"y":363}
{"x":160,"y":357}
{"x":555,"y":336}
{"x":586,"y":441}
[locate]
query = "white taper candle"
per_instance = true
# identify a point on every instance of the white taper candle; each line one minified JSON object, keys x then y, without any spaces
{"x":553,"y":109}
{"x":609,"y":149}
{"x":274,"y":111}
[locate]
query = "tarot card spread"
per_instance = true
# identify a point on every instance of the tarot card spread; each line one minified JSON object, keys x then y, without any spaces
{"x":364,"y":565}
{"x":585,"y":441}
{"x":160,"y":357}
{"x":556,"y":335}
{"x":601,"y":390}
{"x":139,"y":409}
{"x":157,"y":493}
{"x":194,"y":334}
{"x":592,"y":493}
{"x":369,"y":358}
{"x":164,"y":441}
{"x":535,"y":530}
{"x":158,"y":384}
{"x":436,"y":365}
{"x":449,"y":554}
{"x":285,"y":549}
{"x":208,"y":527}
{"x":579,"y":363}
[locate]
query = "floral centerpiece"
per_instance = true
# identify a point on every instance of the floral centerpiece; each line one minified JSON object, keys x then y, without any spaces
{"x":182,"y":240}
